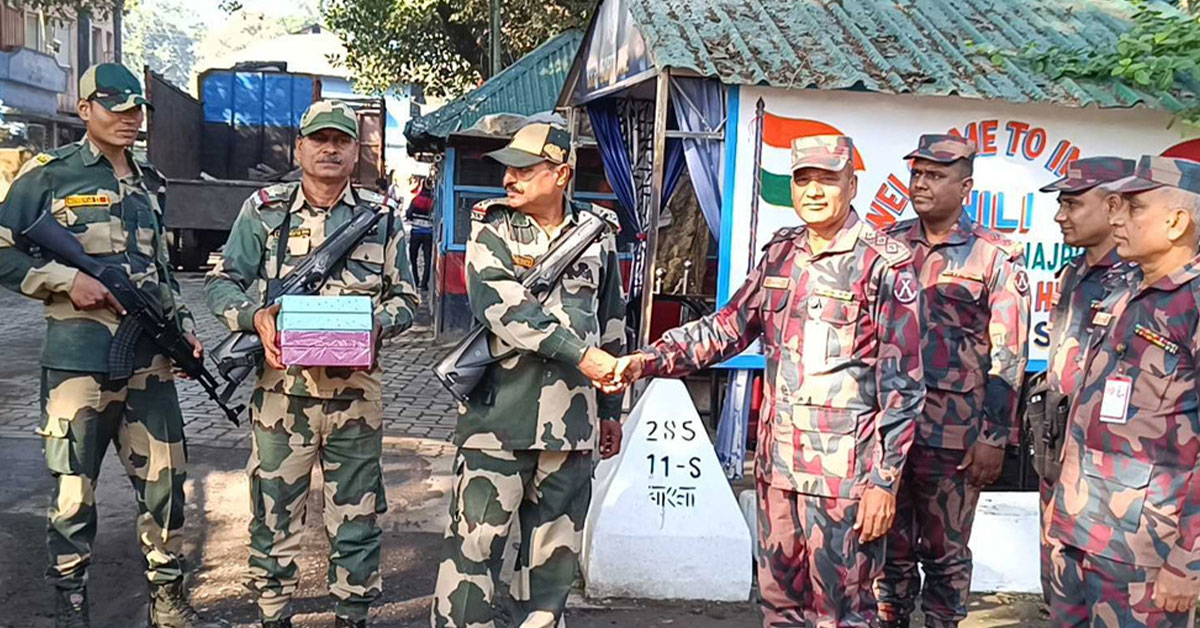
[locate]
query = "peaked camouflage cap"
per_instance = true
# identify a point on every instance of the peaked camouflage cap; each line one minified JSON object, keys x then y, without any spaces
{"x":1154,"y":172}
{"x":1085,"y":174}
{"x":113,"y":86}
{"x":827,"y":152}
{"x":535,"y":143}
{"x":943,"y":148}
{"x":329,"y":114}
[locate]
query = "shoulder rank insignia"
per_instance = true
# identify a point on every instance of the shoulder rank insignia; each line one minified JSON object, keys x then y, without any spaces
{"x":480,"y":210}
{"x":43,"y":158}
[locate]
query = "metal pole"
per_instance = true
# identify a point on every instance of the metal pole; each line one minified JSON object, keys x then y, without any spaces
{"x":656,"y":202}
{"x":495,"y":19}
{"x":573,"y":154}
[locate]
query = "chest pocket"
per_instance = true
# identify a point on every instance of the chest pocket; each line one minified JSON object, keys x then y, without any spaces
{"x":145,"y":223}
{"x":364,"y":266}
{"x":1157,"y":376}
{"x":98,"y":230}
{"x":581,"y":285}
{"x":830,"y":331}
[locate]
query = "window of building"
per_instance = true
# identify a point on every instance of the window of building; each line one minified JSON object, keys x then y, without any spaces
{"x":97,"y":45}
{"x":108,"y":47}
{"x":33,"y":30}
{"x":63,"y":41}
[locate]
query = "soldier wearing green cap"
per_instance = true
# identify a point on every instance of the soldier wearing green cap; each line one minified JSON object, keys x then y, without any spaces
{"x":1083,"y":208}
{"x":526,"y":440}
{"x":113,"y":204}
{"x":1125,"y":514}
{"x":975,"y":321}
{"x":305,"y":416}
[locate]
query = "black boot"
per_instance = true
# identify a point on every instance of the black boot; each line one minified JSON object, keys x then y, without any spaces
{"x":342,"y":622}
{"x":169,"y":608}
{"x":286,"y":622}
{"x":71,"y":608}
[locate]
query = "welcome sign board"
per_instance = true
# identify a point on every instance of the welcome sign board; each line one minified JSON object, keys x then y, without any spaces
{"x":1021,"y":149}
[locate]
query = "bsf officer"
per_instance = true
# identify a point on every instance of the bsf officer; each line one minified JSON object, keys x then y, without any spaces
{"x":113,"y":204}
{"x":835,"y":304}
{"x":1083,"y":208}
{"x":1125,"y":514}
{"x":974,"y":316}
{"x":526,"y":435}
{"x":308,"y":416}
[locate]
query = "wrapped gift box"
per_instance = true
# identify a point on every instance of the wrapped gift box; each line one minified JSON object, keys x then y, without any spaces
{"x":327,"y":331}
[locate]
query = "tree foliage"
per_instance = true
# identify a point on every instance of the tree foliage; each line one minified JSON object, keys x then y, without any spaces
{"x":1161,"y":47}
{"x":442,"y":45}
{"x":161,"y":34}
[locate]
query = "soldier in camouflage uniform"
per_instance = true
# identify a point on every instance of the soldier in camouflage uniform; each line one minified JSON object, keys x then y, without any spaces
{"x":527,"y":433}
{"x":1083,"y":208}
{"x":835,"y":305}
{"x":975,"y":321}
{"x":114,"y":206}
{"x":303,"y":416}
{"x":1125,"y":515}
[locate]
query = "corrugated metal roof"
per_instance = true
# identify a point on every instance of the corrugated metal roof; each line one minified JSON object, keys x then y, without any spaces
{"x":529,"y":86}
{"x":889,"y":46}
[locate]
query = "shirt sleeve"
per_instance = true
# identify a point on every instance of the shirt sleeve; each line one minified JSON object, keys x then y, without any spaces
{"x":227,"y":285}
{"x":1008,"y":329}
{"x":29,"y":197}
{"x":400,"y":300}
{"x":499,"y":301}
{"x":611,"y":316}
{"x":899,"y":374}
{"x":713,"y":338}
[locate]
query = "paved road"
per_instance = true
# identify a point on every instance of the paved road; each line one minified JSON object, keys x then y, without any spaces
{"x":415,"y":404}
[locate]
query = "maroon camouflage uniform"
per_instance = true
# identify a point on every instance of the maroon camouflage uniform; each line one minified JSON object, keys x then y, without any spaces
{"x":1080,"y":288}
{"x":843,"y":385}
{"x":1127,"y":504}
{"x":974,"y":325}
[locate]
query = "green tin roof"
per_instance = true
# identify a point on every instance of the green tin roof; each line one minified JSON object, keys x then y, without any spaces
{"x":529,"y":86}
{"x":889,"y":46}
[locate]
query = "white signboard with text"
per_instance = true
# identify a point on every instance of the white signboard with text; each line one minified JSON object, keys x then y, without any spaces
{"x":1021,"y":148}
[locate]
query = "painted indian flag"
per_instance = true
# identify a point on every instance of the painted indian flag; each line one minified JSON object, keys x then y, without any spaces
{"x":775,"y":165}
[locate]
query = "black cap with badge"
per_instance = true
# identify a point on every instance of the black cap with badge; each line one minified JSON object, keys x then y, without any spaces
{"x":535,"y":143}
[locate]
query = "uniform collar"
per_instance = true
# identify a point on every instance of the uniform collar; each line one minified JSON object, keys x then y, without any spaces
{"x":845,"y":239}
{"x":301,"y":200}
{"x":91,"y":155}
{"x":1179,"y":277}
{"x":570,"y":215}
{"x":960,"y":233}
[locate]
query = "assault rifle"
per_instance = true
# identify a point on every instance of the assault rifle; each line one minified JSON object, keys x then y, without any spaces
{"x":462,"y":370}
{"x":241,"y":352}
{"x":143,"y":316}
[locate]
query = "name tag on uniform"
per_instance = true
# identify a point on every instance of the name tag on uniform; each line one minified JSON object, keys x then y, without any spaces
{"x":777,"y":283}
{"x":1114,"y":407}
{"x":962,"y":275}
{"x":840,"y":295}
{"x":1102,"y":318}
{"x":523,"y":261}
{"x":87,"y":200}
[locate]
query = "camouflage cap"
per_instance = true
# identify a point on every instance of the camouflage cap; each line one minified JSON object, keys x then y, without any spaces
{"x":1085,"y":174}
{"x":329,"y":114}
{"x":827,"y":152}
{"x":535,"y":143}
{"x":1154,"y":172}
{"x":113,"y":86}
{"x":943,"y":148}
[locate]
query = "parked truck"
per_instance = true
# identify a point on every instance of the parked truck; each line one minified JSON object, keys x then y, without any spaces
{"x":238,"y":137}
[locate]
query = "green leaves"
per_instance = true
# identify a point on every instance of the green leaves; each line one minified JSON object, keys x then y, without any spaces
{"x":1161,"y":46}
{"x":441,"y":44}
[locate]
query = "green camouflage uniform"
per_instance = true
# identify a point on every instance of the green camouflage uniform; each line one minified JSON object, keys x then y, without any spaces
{"x":302,"y":416}
{"x":526,"y":436}
{"x":119,"y":222}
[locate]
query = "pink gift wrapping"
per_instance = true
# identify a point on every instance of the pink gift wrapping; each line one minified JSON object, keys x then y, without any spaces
{"x":328,"y":348}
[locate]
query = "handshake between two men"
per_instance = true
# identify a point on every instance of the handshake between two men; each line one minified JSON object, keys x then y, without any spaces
{"x":612,"y":374}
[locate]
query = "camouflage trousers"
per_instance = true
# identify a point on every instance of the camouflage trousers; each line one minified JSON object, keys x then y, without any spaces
{"x":812,"y":570}
{"x":1088,"y":591}
{"x":82,"y":413}
{"x":548,"y":491}
{"x":292,"y":434}
{"x":935,"y":508}
{"x":1045,"y":493}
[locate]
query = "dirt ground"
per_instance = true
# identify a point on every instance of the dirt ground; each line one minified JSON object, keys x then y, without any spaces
{"x":216,"y":532}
